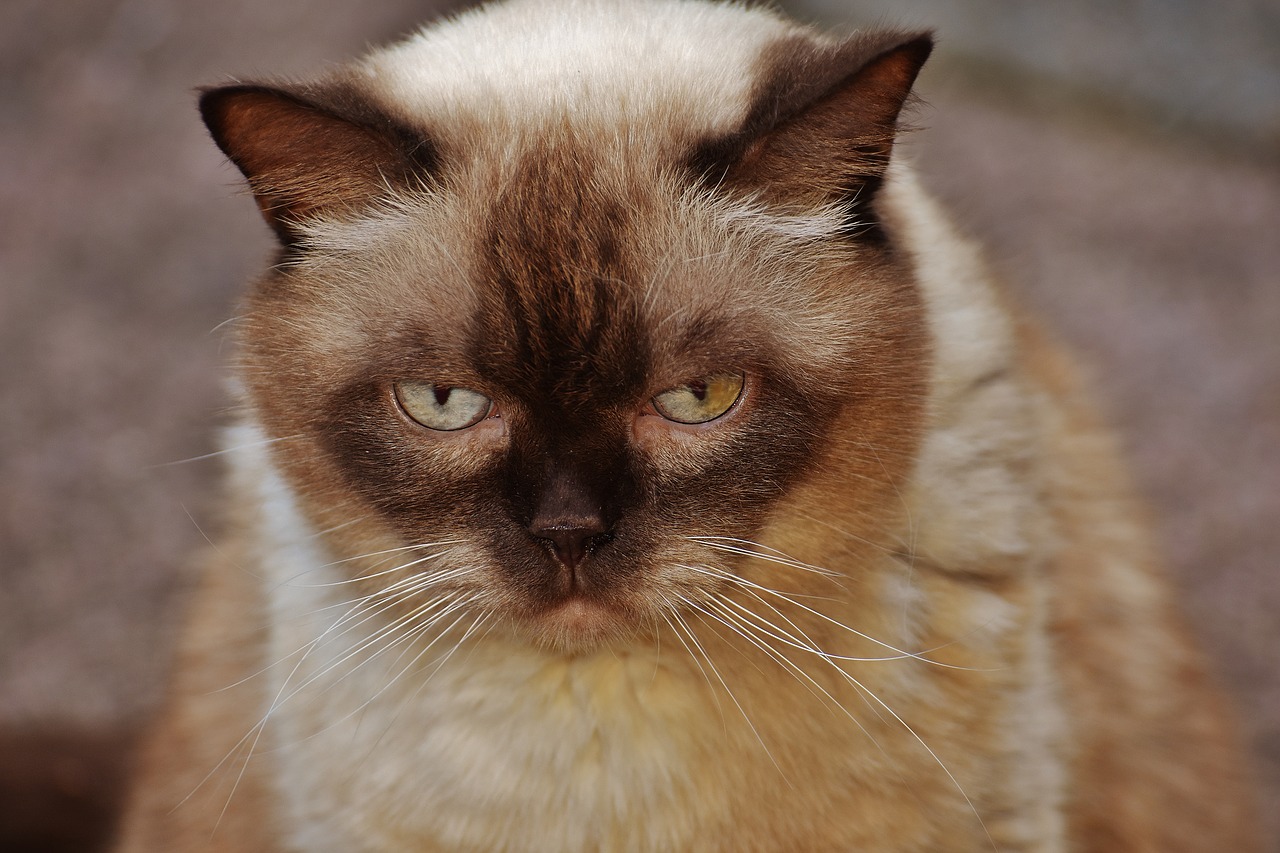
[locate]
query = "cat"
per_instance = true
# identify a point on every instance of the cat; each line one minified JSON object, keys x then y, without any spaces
{"x":633,"y":457}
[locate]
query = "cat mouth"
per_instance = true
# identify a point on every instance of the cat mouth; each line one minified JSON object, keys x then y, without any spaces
{"x":578,"y":622}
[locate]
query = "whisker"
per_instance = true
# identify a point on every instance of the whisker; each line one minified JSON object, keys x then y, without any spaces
{"x":894,"y":552}
{"x":906,"y":507}
{"x":804,"y":642}
{"x":711,"y":665}
{"x":695,"y":605}
{"x":912,"y":655}
{"x":448,"y":602}
{"x":480,"y":619}
{"x":747,"y":632}
{"x":667,"y":617}
{"x":938,"y":760}
{"x":335,"y":528}
{"x":863,"y":691}
{"x":746,"y":584}
{"x":416,"y":631}
{"x":399,"y":550}
{"x":870,"y":696}
{"x":406,"y":638}
{"x":370,"y":605}
{"x":224,"y":451}
{"x":227,"y":322}
{"x":739,"y":547}
{"x":255,"y":733}
{"x":400,"y":589}
{"x":657,"y":648}
{"x":754,"y":639}
{"x":365,"y":577}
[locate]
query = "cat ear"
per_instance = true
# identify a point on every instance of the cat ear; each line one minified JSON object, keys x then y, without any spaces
{"x":309,"y":155}
{"x":823,"y":123}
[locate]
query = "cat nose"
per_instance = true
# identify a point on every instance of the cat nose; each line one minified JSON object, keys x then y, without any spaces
{"x":570,"y":539}
{"x":570,"y":515}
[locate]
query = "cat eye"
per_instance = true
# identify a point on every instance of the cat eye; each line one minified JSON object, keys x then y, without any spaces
{"x":442,"y":407}
{"x":700,"y":400}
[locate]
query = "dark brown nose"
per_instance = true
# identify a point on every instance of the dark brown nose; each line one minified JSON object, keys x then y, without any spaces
{"x":570,"y":539}
{"x":569,"y":515}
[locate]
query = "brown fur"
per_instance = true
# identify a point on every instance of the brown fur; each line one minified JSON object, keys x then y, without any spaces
{"x":896,"y":598}
{"x":1160,"y":786}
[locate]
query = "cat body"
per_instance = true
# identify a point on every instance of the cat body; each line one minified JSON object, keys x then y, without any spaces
{"x":634,"y":458}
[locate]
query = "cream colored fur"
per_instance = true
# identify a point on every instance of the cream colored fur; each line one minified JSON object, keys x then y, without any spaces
{"x":618,"y":67}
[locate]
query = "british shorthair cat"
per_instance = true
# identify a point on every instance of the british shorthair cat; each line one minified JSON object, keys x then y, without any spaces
{"x":632,"y":457}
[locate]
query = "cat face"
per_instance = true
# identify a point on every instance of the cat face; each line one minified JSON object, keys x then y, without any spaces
{"x":557,"y":368}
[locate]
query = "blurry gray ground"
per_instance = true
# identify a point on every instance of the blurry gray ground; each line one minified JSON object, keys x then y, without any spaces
{"x":123,"y":241}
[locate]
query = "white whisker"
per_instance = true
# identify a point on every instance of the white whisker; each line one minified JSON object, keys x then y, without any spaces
{"x":748,"y":548}
{"x":711,"y":665}
{"x":406,"y":638}
{"x":746,"y":584}
{"x":365,"y":577}
{"x":747,"y":631}
{"x":226,"y":450}
{"x":671,"y":614}
{"x":368,"y":606}
{"x":954,"y":781}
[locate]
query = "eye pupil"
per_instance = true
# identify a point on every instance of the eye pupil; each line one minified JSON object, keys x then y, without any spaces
{"x":442,"y":393}
{"x":698,"y":388}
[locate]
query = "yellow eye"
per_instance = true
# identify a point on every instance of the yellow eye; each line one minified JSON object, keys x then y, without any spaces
{"x":701,"y":400}
{"x":441,"y":407}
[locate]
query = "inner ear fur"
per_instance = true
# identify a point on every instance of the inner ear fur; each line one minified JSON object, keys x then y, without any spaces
{"x":823,"y":122}
{"x":308,"y":154}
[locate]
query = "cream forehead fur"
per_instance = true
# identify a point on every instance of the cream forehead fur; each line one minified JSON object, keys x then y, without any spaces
{"x":610,"y":61}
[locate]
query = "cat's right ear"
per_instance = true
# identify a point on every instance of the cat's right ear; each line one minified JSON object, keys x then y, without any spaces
{"x":823,"y":124}
{"x":308,"y":157}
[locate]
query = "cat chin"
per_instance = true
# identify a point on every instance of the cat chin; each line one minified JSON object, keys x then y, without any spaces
{"x":578,"y":625}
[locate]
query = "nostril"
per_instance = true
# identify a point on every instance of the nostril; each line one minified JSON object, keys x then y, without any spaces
{"x":571,"y":543}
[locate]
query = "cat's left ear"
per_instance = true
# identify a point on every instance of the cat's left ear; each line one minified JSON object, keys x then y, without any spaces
{"x":311,"y":154}
{"x":822,"y":125}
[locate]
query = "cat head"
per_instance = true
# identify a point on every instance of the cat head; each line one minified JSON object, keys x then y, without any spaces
{"x":573,"y":301}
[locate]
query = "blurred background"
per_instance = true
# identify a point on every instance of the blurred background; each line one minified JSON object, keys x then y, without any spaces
{"x":1120,"y":158}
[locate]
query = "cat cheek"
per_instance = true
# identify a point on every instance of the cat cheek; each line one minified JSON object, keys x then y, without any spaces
{"x":489,"y":434}
{"x":651,"y":429}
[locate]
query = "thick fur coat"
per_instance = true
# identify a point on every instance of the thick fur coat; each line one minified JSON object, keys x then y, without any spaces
{"x":894,"y":596}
